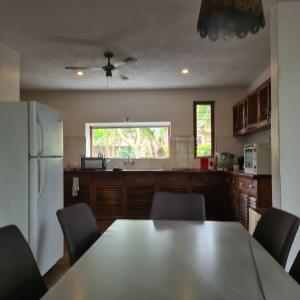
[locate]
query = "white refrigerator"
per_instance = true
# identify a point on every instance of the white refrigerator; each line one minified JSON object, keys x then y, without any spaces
{"x":31,"y":176}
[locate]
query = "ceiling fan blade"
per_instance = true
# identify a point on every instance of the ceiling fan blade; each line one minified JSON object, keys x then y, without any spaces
{"x":128,"y":60}
{"x":82,"y":68}
{"x":122,"y":76}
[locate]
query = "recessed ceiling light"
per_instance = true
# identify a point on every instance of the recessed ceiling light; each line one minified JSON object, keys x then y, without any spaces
{"x":185,"y":71}
{"x":79,"y":73}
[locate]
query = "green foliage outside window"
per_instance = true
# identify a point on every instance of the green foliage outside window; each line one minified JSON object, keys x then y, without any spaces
{"x":204,"y":130}
{"x":136,"y":142}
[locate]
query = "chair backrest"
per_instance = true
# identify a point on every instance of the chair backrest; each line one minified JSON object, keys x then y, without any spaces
{"x":276,"y":231}
{"x":20,"y":277}
{"x":172,"y":206}
{"x":295,"y":269}
{"x":80,"y":229}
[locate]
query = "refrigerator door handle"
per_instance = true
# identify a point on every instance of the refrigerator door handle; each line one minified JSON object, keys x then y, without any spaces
{"x":42,"y":142}
{"x":41,"y":179}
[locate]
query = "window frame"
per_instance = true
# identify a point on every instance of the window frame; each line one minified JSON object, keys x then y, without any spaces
{"x":212,"y":104}
{"x":90,"y":126}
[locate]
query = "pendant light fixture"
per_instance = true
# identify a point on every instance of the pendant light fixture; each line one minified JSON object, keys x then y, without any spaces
{"x":225,"y":19}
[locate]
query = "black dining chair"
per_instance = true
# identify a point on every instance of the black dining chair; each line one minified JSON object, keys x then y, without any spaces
{"x":276,"y":231}
{"x":295,"y":269}
{"x":80,"y":229}
{"x":173,"y":206}
{"x":20,"y":277}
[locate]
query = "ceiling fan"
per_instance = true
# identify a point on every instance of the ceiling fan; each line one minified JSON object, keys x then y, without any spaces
{"x":109,"y":68}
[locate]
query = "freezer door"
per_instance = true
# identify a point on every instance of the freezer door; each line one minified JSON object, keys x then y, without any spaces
{"x":46,"y":197}
{"x":46,"y":131}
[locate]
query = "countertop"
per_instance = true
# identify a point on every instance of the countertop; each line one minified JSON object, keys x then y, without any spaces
{"x":175,"y":170}
{"x":250,"y":176}
{"x":144,"y":171}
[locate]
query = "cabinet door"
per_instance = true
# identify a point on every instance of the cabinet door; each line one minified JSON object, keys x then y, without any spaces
{"x":85,"y":188}
{"x":252,"y":110}
{"x":265,"y":104}
{"x":174,"y":183}
{"x":109,"y":196}
{"x":243,"y":210}
{"x":214,"y":205}
{"x":234,"y":205}
{"x":139,"y":200}
{"x":241,"y":116}
{"x":235,"y":120}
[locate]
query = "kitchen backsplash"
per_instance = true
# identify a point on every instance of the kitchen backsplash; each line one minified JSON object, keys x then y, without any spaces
{"x":182,"y":153}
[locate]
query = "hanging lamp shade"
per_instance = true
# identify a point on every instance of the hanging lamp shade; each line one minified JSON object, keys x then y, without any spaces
{"x":226,"y":19}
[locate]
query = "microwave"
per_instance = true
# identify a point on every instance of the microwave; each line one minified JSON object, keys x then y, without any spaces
{"x":257,"y":159}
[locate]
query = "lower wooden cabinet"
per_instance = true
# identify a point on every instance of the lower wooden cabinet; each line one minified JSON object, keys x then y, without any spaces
{"x":85,"y":191}
{"x":139,"y":200}
{"x":245,"y":192}
{"x":129,"y":194}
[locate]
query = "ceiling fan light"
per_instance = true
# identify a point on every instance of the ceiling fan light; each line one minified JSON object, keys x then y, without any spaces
{"x":108,"y":73}
{"x":224,"y":19}
{"x":79,"y":73}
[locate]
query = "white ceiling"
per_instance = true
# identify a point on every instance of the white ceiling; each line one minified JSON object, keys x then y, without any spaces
{"x":162,"y":34}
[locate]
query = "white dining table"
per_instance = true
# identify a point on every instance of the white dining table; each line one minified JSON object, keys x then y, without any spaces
{"x":175,"y":260}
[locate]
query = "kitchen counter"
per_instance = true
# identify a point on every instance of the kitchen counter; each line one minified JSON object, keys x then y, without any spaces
{"x":198,"y":171}
{"x":128,"y":194}
{"x":250,"y":176}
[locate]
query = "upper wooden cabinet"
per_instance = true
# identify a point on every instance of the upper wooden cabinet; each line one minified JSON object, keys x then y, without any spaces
{"x":254,"y":111}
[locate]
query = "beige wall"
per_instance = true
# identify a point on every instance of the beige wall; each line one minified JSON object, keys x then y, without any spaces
{"x":141,"y":106}
{"x":285,"y":69}
{"x":9,"y":74}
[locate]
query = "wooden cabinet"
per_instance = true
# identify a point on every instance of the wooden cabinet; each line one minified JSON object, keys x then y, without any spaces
{"x":264,"y":100}
{"x":248,"y":192}
{"x":115,"y":195}
{"x":243,"y":216}
{"x":254,"y":111}
{"x":173,"y":182}
{"x":86,"y":188}
{"x":139,"y":194}
{"x":212,"y":187}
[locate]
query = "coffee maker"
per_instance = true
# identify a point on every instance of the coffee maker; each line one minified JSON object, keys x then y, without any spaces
{"x":224,"y":161}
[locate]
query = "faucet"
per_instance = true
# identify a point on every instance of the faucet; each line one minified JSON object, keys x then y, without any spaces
{"x":129,"y":162}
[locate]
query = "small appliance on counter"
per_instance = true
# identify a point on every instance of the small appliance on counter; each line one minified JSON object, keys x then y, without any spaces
{"x":258,"y":159}
{"x":94,"y":163}
{"x":223,"y":161}
{"x":241,"y":163}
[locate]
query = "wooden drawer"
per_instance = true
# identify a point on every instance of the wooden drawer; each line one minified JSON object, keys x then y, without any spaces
{"x":109,"y":178}
{"x":207,"y":179}
{"x":174,"y":183}
{"x":252,"y":188}
{"x":234,"y":183}
{"x":140,"y":179}
{"x":172,"y":179}
{"x":243,"y":185}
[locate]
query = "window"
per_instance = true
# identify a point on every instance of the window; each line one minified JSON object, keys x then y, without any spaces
{"x":136,"y":140}
{"x":204,"y":129}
